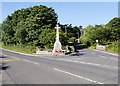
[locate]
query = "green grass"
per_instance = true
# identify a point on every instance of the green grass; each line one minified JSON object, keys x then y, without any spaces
{"x":24,"y":49}
{"x":92,"y":47}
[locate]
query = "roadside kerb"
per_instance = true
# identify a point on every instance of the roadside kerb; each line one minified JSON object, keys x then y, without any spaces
{"x":23,"y":53}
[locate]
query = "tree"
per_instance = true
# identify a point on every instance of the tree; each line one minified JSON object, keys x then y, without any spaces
{"x":7,"y":32}
{"x":104,"y":33}
{"x":113,"y":27}
{"x":48,"y":37}
{"x":21,"y":33}
{"x":25,"y":26}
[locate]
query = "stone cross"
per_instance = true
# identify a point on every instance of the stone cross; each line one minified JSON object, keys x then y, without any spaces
{"x":57,"y":44}
{"x":57,"y":32}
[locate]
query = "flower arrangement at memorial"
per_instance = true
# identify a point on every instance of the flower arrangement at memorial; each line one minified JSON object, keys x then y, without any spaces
{"x":58,"y":51}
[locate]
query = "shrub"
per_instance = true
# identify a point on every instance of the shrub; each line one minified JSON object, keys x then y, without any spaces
{"x":72,"y":39}
{"x":114,"y":47}
{"x":92,"y":47}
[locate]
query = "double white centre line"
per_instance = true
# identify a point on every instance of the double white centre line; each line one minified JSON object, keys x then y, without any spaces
{"x":100,"y":65}
{"x":109,"y":58}
{"x":77,"y":76}
{"x":30,"y":61}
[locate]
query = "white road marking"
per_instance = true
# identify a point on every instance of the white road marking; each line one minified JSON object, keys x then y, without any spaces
{"x":77,"y":76}
{"x":108,"y":58}
{"x":100,"y":65}
{"x":22,"y":59}
{"x":30,"y":61}
{"x":114,"y":59}
{"x":93,"y":53}
{"x":116,"y":67}
{"x":11,"y":56}
{"x":14,"y":57}
{"x":103,"y":56}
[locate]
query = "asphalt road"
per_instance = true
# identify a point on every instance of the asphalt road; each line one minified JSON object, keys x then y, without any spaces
{"x":90,"y":67}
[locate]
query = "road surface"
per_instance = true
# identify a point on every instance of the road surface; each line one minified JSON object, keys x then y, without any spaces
{"x":90,"y":67}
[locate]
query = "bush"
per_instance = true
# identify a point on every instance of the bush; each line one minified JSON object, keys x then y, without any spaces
{"x":64,"y":47}
{"x":72,"y":39}
{"x":114,"y":47}
{"x":92,"y":47}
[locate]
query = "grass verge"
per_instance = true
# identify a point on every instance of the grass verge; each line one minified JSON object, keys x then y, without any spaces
{"x":21,"y":48}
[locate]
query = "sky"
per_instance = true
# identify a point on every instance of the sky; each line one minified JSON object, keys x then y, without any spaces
{"x":75,"y":13}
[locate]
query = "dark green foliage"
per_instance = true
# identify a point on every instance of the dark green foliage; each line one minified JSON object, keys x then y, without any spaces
{"x":7,"y":32}
{"x":48,"y":37}
{"x":30,"y":26}
{"x":115,"y":47}
{"x":114,"y":29}
{"x":72,"y":39}
{"x":104,"y":33}
{"x":71,"y":31}
{"x":21,"y":48}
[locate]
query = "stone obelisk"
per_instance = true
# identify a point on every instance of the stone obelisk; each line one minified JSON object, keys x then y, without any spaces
{"x":57,"y":44}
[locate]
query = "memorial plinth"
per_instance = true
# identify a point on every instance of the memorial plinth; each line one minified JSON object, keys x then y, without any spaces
{"x":57,"y":45}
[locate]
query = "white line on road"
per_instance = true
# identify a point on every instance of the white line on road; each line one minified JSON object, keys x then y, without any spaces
{"x":23,"y":59}
{"x":103,"y":56}
{"x":30,"y":61}
{"x":114,"y":59}
{"x":11,"y":57}
{"x":108,"y":58}
{"x":77,"y":76}
{"x":100,"y":65}
{"x":93,"y":53}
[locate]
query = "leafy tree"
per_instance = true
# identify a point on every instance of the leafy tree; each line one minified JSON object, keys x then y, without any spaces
{"x":26,"y":26}
{"x":0,"y":31}
{"x":113,"y":27}
{"x":104,"y":33}
{"x":21,"y":33}
{"x":7,"y":32}
{"x":72,"y":31}
{"x":48,"y":37}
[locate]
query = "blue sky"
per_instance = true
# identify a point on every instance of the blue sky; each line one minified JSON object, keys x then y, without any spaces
{"x":75,"y":13}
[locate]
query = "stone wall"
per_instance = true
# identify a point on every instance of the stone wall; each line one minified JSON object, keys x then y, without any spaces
{"x":100,"y":47}
{"x":43,"y":52}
